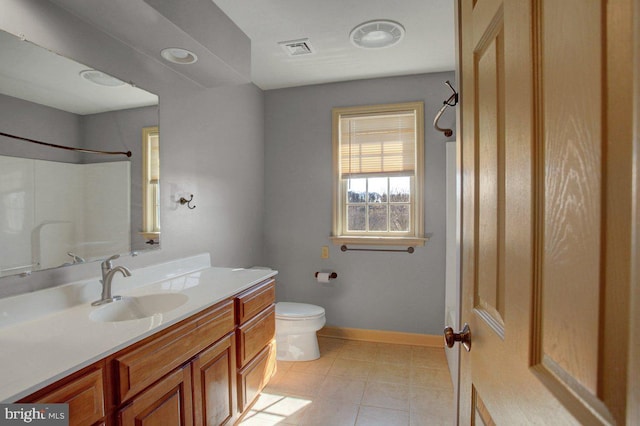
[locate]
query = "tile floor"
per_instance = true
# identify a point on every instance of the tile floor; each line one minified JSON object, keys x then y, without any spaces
{"x":359,"y":384}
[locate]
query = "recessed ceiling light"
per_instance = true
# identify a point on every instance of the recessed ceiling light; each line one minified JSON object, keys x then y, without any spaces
{"x":377,"y":34}
{"x":178,"y":55}
{"x":100,"y":78}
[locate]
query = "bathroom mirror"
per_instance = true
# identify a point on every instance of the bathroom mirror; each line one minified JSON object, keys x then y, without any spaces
{"x":58,"y":206}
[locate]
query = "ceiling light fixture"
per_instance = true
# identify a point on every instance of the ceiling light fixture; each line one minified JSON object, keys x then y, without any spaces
{"x":100,"y":78}
{"x":178,"y":55}
{"x":377,"y":34}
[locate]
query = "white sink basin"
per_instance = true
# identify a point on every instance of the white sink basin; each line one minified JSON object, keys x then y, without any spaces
{"x":132,"y":308}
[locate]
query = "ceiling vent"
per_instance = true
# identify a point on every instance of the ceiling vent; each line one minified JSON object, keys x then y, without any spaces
{"x":297,"y":47}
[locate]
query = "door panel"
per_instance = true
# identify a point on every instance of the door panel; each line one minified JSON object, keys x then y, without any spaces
{"x":546,"y":210}
{"x":570,"y":268}
{"x":489,"y":293}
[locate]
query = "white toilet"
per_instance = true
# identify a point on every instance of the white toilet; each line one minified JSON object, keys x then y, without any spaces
{"x":296,"y":326}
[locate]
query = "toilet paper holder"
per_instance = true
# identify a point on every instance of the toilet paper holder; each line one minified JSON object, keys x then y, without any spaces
{"x":332,"y":276}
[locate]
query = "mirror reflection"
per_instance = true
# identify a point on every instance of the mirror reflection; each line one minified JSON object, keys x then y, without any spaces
{"x":59,"y":207}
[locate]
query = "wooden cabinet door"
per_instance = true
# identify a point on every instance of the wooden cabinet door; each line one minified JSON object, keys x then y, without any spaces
{"x":166,"y":403}
{"x":547,"y":206}
{"x":214,"y":384}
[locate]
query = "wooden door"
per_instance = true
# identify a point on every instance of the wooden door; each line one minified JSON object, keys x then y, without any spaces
{"x":547,"y":128}
{"x":166,"y":403}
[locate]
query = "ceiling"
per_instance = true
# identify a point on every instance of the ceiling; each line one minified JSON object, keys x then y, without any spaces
{"x":428,"y":44}
{"x":150,"y":25}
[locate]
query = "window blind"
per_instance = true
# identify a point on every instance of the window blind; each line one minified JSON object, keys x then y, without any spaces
{"x":377,"y":144}
{"x":154,"y":158}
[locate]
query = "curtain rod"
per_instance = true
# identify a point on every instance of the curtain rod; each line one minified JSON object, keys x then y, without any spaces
{"x":89,"y":151}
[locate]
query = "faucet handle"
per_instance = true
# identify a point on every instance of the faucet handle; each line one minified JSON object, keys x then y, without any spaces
{"x":75,"y":257}
{"x":107,"y":263}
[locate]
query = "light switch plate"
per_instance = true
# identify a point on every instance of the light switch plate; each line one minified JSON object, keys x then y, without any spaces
{"x":325,"y":252}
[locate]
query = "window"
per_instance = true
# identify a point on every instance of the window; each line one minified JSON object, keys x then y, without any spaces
{"x":150,"y":182}
{"x":378,"y":174}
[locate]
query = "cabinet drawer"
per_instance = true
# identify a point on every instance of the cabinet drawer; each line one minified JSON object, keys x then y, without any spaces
{"x":85,"y":396}
{"x":255,"y":300}
{"x":255,"y":376}
{"x":147,"y":363}
{"x":256,"y":334}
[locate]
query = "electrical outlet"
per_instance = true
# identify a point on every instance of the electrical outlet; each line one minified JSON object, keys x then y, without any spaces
{"x":325,"y":252}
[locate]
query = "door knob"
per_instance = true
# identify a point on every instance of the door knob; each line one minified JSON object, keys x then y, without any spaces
{"x":450,"y":338}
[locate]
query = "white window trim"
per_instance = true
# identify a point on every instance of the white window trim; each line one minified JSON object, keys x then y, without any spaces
{"x":150,"y":222}
{"x":417,"y":238}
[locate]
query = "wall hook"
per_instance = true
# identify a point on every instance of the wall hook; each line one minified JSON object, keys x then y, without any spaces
{"x":184,"y":201}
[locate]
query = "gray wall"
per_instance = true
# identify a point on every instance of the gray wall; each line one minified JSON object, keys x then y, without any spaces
{"x":211,"y":146}
{"x":380,"y":291}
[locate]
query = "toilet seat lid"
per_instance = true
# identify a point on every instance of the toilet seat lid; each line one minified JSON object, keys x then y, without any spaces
{"x":297,"y":310}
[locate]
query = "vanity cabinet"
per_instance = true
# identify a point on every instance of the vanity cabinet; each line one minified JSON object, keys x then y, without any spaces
{"x":203,"y":371}
{"x":256,"y":328}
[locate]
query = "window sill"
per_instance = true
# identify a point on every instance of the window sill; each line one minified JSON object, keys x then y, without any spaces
{"x":379,"y":241}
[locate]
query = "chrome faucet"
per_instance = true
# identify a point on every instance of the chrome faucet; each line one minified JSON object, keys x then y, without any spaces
{"x":108,"y":271}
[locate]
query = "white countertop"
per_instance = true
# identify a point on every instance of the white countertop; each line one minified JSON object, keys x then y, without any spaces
{"x":47,"y":335}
